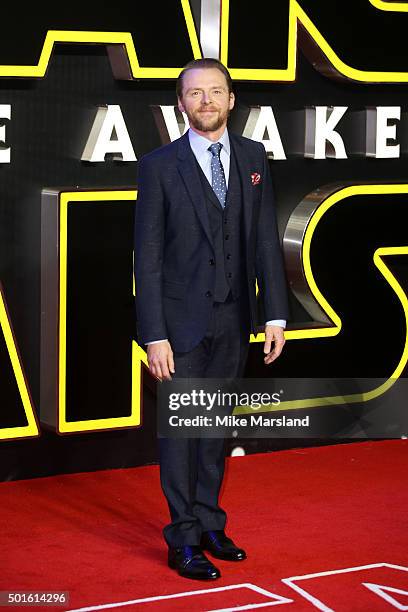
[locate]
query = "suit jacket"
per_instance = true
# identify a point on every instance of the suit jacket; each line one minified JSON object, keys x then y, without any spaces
{"x":173,"y":248}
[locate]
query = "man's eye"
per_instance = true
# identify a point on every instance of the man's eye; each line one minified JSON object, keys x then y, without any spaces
{"x":195,"y":93}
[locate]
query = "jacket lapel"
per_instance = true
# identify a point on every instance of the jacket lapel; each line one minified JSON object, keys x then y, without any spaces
{"x":187,"y":166}
{"x":244,"y":170}
{"x":208,"y":190}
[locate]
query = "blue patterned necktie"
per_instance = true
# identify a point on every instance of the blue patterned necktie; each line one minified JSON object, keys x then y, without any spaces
{"x":219,"y":184}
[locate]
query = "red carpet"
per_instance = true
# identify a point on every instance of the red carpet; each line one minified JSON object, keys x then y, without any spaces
{"x":297,"y":512}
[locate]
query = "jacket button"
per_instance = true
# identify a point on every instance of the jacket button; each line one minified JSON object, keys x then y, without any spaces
{"x":228,"y":255}
{"x":208,"y":294}
{"x":226,"y":236}
{"x":211,"y":262}
{"x":229,"y":275}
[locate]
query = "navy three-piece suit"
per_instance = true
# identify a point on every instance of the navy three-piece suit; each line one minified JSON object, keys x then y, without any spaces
{"x":195,"y":269}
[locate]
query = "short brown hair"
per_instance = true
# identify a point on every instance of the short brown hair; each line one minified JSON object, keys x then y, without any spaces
{"x":206,"y":62}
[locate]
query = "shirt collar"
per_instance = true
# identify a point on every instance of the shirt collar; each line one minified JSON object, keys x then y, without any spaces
{"x":200,"y":144}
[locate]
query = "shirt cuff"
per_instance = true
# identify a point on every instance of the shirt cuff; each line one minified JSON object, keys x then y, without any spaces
{"x":156,"y":341}
{"x":279,"y":322}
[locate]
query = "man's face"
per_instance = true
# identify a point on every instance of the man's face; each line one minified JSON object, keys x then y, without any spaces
{"x":206,"y":99}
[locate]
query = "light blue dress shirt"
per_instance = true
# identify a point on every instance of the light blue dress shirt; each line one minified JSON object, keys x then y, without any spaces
{"x":199,"y":145}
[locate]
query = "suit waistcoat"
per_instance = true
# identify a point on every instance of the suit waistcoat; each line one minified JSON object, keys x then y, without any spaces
{"x":228,"y":235}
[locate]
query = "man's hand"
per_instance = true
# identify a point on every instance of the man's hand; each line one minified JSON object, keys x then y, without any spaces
{"x":160,"y":359}
{"x":273,"y":333}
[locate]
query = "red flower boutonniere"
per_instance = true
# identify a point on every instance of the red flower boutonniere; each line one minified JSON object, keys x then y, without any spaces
{"x":255,"y":178}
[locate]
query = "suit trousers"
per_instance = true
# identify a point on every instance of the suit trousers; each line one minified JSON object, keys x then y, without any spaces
{"x":191,"y":470}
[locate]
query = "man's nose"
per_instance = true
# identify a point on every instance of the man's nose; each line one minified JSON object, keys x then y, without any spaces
{"x":206,"y":99}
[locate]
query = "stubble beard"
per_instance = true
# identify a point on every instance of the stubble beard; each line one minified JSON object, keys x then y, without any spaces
{"x":206,"y":124}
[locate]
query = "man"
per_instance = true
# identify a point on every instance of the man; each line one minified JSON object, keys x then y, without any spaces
{"x":205,"y":229}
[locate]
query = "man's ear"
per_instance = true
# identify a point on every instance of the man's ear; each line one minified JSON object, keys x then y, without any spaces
{"x":231,"y":100}
{"x":180,"y":105}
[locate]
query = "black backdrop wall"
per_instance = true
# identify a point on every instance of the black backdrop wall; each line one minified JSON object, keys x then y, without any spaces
{"x":51,"y":119}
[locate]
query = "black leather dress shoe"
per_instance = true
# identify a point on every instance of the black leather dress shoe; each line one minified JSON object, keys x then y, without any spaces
{"x":221,"y":547}
{"x":190,"y":562}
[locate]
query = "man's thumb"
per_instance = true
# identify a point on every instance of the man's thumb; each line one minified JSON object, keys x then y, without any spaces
{"x":267,"y":346}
